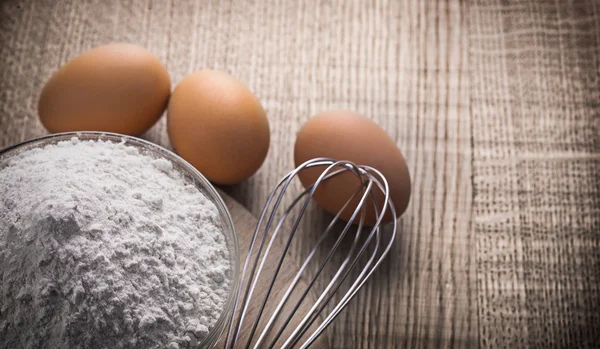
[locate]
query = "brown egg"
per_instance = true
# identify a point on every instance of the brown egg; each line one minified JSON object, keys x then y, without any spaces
{"x":219,"y":126}
{"x":346,"y":135}
{"x":120,"y":88}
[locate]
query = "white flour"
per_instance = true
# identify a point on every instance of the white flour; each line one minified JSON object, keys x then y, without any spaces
{"x":103,"y":247}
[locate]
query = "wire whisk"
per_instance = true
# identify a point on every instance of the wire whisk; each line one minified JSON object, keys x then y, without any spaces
{"x":366,"y":240}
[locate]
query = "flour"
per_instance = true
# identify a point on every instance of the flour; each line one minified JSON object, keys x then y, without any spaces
{"x":104,"y":247}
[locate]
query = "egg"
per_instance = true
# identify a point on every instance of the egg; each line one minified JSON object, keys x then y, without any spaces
{"x":217,"y":124}
{"x":120,"y":88}
{"x":346,"y":135}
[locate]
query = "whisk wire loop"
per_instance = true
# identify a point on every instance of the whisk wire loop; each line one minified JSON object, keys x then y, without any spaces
{"x":370,"y":179}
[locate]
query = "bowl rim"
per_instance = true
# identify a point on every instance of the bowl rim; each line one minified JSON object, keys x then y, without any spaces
{"x":218,"y":328}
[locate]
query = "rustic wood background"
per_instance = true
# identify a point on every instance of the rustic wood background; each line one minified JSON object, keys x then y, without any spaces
{"x":495,"y":104}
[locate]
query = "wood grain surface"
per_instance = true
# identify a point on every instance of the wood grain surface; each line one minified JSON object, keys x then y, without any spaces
{"x":536,"y":172}
{"x":493,"y":103}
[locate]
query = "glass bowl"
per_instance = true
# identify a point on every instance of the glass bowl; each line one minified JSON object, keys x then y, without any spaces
{"x":190,"y":174}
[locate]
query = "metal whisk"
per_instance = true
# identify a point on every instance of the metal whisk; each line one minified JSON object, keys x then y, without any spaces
{"x":374,"y":246}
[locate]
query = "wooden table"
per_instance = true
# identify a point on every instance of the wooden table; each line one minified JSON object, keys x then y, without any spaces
{"x":493,"y":103}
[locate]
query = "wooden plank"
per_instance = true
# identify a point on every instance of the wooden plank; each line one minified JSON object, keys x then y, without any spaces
{"x":535,"y":95}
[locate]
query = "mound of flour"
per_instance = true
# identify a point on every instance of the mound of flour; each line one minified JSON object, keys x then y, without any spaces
{"x":104,"y":247}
